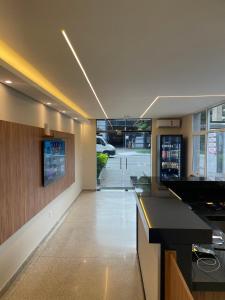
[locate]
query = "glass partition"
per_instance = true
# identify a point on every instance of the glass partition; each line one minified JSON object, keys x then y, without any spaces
{"x":123,"y":149}
{"x":199,"y":155}
{"x":199,"y":121}
{"x":214,"y":163}
{"x":123,"y":125}
{"x":216,"y":155}
{"x":216,"y":116}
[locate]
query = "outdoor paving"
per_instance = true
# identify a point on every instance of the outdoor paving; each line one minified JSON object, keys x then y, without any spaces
{"x":123,"y":165}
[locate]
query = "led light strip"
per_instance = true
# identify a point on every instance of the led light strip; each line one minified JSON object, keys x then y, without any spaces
{"x":144,"y":113}
{"x":175,"y":194}
{"x":164,"y":97}
{"x":84,"y":73}
{"x":10,"y":59}
{"x":145,"y":214}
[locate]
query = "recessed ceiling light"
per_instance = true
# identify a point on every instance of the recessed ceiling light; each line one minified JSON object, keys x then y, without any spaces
{"x":75,"y":118}
{"x":84,"y":73}
{"x":8,"y":81}
{"x":27,"y":70}
{"x":63,"y":111}
{"x":48,"y":103}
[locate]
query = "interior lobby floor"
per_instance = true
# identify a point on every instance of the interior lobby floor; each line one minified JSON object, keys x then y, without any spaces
{"x":91,"y":255}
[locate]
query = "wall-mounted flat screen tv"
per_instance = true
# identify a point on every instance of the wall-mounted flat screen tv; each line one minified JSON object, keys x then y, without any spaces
{"x":54,"y":160}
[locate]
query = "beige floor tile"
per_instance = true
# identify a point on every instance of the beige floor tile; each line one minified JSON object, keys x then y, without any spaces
{"x":92,"y":255}
{"x":58,"y":278}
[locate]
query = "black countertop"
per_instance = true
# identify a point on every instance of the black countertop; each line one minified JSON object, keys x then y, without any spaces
{"x":198,"y":189}
{"x":212,"y":281}
{"x":167,"y":219}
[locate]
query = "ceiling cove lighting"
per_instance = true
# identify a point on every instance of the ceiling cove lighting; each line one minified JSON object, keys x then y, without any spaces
{"x":8,"y":81}
{"x":10,"y":58}
{"x":84,"y":72}
{"x":164,"y":97}
{"x":144,"y":113}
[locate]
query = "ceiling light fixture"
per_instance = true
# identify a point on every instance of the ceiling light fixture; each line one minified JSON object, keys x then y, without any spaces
{"x":75,"y":118}
{"x":63,"y":111}
{"x":8,"y":81}
{"x":163,"y":97}
{"x":27,"y":71}
{"x":144,"y":113}
{"x":48,"y":103}
{"x":84,"y":72}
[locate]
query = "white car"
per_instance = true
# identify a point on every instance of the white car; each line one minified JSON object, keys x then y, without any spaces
{"x":103,"y":147}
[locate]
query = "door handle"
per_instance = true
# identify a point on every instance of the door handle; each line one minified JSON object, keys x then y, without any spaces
{"x":120,"y":163}
{"x":126,"y":163}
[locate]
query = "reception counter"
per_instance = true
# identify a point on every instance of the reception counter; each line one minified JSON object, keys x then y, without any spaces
{"x":167,"y":226}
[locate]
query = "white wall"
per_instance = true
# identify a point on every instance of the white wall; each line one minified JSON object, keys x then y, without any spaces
{"x":15,"y":107}
{"x":89,"y":155}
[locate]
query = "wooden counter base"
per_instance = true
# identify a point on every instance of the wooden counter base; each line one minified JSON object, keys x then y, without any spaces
{"x":175,"y":285}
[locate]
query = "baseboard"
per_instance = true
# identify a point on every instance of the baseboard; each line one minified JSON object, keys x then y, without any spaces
{"x":5,"y":288}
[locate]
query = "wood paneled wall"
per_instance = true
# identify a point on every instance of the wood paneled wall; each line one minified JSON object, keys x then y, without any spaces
{"x":175,"y":285}
{"x":21,"y":192}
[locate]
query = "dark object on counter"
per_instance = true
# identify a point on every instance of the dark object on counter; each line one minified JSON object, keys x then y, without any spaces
{"x":197,"y":189}
{"x":201,"y":252}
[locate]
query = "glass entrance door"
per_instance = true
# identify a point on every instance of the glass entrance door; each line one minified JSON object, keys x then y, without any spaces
{"x":132,"y":155}
{"x":137,"y":152}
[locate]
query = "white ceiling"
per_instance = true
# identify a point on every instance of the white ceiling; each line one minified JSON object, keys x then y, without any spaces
{"x":177,"y":107}
{"x":132,"y":51}
{"x":22,"y":86}
{"x":33,"y":92}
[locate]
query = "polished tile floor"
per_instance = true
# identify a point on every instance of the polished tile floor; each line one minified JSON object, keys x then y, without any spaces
{"x":91,"y":256}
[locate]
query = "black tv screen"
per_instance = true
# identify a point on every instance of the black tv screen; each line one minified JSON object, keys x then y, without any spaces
{"x":53,"y":160}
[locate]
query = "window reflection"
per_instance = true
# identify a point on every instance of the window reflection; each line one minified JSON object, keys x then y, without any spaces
{"x":216,"y":154}
{"x":199,"y":121}
{"x":124,"y":125}
{"x":217,"y":117}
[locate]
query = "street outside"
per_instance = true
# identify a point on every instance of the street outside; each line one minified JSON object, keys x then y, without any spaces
{"x":126,"y":163}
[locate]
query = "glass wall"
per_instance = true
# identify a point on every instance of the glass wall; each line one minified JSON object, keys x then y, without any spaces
{"x":123,"y":149}
{"x":199,"y":155}
{"x":216,"y":155}
{"x":199,"y":121}
{"x":199,"y":124}
{"x":128,"y":133}
{"x":209,"y":142}
{"x":216,"y":116}
{"x":124,"y":125}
